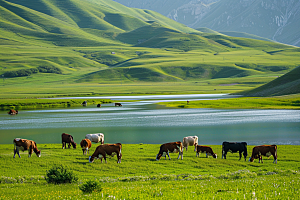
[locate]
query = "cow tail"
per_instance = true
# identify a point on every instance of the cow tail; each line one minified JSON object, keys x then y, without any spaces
{"x":276,"y":151}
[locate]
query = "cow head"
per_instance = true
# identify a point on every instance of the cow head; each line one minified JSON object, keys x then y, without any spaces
{"x":158,"y":156}
{"x":74,"y":145}
{"x":215,"y":155}
{"x":91,"y":160}
{"x":38,"y":153}
{"x":251,"y":159}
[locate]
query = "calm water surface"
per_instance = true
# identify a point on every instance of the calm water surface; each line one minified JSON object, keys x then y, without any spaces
{"x":145,"y":122}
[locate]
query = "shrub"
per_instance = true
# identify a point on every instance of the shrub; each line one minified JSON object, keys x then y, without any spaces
{"x":49,"y":69}
{"x":90,"y":186}
{"x":59,"y":174}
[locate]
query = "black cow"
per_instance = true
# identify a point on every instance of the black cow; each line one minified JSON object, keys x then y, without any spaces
{"x":234,"y":147}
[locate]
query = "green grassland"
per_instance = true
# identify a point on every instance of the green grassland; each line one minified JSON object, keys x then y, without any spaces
{"x":278,"y":102}
{"x":99,"y":46}
{"x":139,"y":176}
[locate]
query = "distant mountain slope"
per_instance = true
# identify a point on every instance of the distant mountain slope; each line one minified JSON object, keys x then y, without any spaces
{"x":276,"y":20}
{"x":286,"y":84}
{"x":83,"y":23}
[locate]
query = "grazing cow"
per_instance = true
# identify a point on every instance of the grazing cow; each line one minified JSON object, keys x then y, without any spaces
{"x":234,"y":147}
{"x":264,"y":150}
{"x":205,"y":149}
{"x":23,"y":144}
{"x":98,"y":105}
{"x":84,"y":103}
{"x":107,"y":149}
{"x":67,"y":139}
{"x":85,"y":145}
{"x":13,"y":112}
{"x":172,"y":147}
{"x":118,"y":104}
{"x":96,"y":137}
{"x":190,"y":141}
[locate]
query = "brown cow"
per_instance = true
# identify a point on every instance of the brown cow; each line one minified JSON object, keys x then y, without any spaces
{"x":118,"y":104}
{"x":85,"y":145}
{"x":66,"y":138}
{"x":205,"y":149}
{"x":13,"y":112}
{"x":107,"y":149}
{"x":264,"y":150}
{"x":172,"y":147}
{"x":23,"y":144}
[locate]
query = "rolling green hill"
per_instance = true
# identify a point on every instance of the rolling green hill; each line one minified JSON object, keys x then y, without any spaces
{"x":52,"y":42}
{"x":284,"y":85}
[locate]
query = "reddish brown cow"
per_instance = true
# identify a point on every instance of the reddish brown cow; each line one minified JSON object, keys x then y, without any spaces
{"x":23,"y":144}
{"x":67,"y":139}
{"x":205,"y":149}
{"x":264,"y":150}
{"x":85,"y":145}
{"x":118,"y":104}
{"x":13,"y":112}
{"x":107,"y":149}
{"x":172,"y":147}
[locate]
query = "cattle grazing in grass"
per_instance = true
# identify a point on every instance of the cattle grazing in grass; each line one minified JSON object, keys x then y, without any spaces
{"x":98,"y":105}
{"x":107,"y":149}
{"x":205,"y":149}
{"x":234,"y":147}
{"x":84,"y":103}
{"x":118,"y":104}
{"x":264,"y":150}
{"x":23,"y":145}
{"x":13,"y":112}
{"x":190,"y":141}
{"x":85,"y":145}
{"x":67,"y":139}
{"x":96,"y":137}
{"x":172,"y":147}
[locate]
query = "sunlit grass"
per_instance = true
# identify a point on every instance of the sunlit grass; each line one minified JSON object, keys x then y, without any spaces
{"x":139,"y":176}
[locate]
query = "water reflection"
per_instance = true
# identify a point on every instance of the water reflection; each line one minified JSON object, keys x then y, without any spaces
{"x":144,"y":122}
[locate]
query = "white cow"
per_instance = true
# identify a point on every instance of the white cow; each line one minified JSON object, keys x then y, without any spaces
{"x":190,"y":141}
{"x":96,"y":137}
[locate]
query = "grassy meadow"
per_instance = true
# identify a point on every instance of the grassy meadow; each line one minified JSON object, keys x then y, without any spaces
{"x":140,"y":176}
{"x":278,"y":102}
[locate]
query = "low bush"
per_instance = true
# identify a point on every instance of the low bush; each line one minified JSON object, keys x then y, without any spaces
{"x":59,"y":174}
{"x":90,"y":186}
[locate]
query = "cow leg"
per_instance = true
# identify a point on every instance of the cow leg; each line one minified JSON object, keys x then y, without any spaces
{"x":197,"y":154}
{"x":17,"y":151}
{"x":180,"y":154}
{"x":83,"y":151}
{"x":206,"y":155}
{"x":69,"y":145}
{"x":186,"y":148}
{"x":224,"y":154}
{"x":240,"y":155}
{"x":105,"y":159}
{"x":168,"y":155}
{"x":63,"y":145}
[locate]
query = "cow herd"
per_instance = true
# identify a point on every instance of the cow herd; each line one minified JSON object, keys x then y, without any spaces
{"x":104,"y":150}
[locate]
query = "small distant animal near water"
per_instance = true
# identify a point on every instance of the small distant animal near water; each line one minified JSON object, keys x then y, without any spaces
{"x":13,"y":112}
{"x":23,"y":145}
{"x":118,"y":104}
{"x":67,"y":139}
{"x":84,"y":103}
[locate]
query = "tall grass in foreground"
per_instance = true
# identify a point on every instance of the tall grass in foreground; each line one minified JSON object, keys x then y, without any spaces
{"x":139,"y":176}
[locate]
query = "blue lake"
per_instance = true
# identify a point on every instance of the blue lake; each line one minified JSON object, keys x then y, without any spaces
{"x":145,"y":122}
